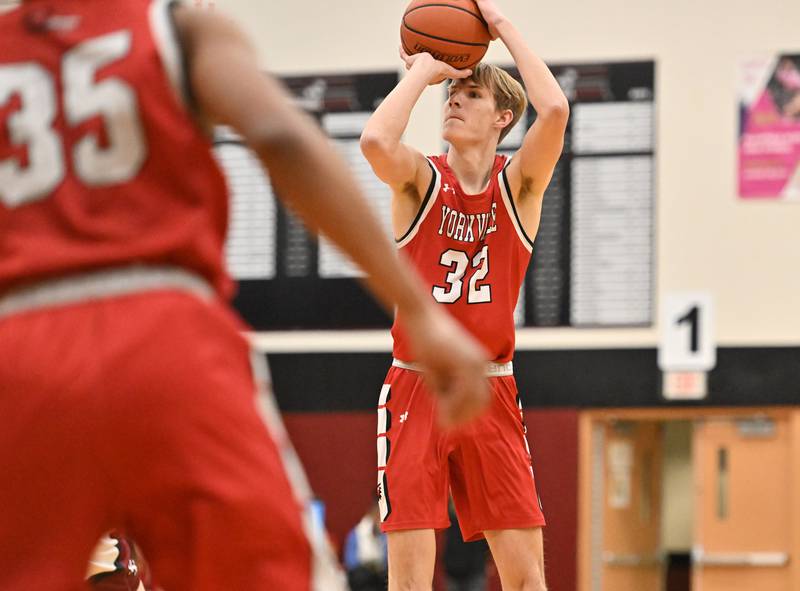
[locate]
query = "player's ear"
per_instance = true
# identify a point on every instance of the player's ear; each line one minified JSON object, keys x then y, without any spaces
{"x":504,"y":118}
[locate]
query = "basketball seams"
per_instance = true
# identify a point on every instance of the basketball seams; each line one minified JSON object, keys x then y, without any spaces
{"x":453,"y":41}
{"x":439,"y":4}
{"x":445,"y":31}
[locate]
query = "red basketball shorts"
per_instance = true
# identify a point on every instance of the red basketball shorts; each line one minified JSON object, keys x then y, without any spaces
{"x":141,"y":411}
{"x":485,"y":465}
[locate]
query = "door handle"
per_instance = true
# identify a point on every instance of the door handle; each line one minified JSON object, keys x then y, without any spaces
{"x":769,"y":559}
{"x":614,"y":559}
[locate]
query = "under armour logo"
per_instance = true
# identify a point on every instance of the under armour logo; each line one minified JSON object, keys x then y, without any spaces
{"x":447,"y":188}
{"x":403,"y":417}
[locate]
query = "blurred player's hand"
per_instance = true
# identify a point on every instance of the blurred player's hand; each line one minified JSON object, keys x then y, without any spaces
{"x":492,"y":15}
{"x":454,"y":365}
{"x":438,"y":71}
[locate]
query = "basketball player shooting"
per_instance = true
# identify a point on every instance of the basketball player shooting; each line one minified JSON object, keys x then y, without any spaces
{"x":129,"y":396}
{"x":467,"y":220}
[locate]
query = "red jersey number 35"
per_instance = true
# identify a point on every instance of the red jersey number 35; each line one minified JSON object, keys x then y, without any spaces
{"x":32,"y":125}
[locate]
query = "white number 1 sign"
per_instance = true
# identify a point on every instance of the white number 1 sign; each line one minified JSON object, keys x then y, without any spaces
{"x":687,"y":332}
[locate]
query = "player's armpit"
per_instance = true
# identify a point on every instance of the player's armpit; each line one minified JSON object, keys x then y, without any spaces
{"x":407,"y":173}
{"x":406,"y":203}
{"x":528,"y":196}
{"x":541,"y":148}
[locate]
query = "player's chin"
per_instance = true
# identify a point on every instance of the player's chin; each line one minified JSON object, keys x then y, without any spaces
{"x":451,"y":132}
{"x":460,"y":140}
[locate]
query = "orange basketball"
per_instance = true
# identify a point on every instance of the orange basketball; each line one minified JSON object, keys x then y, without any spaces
{"x":453,"y":31}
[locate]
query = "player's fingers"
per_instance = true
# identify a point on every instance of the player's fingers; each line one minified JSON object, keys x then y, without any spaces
{"x":476,"y":396}
{"x":442,"y":383}
{"x":466,"y":400}
{"x":444,"y":409}
{"x":453,"y":73}
{"x":447,"y":413}
{"x":407,"y":59}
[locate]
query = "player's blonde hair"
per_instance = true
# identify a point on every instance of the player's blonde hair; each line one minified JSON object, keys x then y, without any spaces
{"x":507,"y":92}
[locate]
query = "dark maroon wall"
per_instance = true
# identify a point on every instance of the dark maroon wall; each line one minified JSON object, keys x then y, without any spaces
{"x":338,"y":451}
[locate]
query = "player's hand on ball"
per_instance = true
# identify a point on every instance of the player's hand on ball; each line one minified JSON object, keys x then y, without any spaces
{"x":438,"y":70}
{"x":492,"y":15}
{"x":454,"y":364}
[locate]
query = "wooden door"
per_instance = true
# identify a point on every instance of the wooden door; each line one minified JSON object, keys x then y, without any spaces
{"x":743,"y":504}
{"x":633,"y":458}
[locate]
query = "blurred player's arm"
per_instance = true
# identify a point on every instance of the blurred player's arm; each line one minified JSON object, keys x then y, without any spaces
{"x":532,"y":167}
{"x":401,"y":167}
{"x":309,"y":175}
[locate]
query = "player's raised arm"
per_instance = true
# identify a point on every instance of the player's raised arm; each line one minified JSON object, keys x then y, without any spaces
{"x":314,"y":181}
{"x":395,"y":163}
{"x":532,"y":167}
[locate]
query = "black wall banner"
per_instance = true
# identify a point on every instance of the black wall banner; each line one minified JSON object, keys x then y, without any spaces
{"x":593,"y":257}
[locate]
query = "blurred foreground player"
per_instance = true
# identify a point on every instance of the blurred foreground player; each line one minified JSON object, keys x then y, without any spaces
{"x":113,"y":322}
{"x":467,"y":220}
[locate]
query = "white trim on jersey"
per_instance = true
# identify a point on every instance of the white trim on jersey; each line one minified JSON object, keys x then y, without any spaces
{"x":169,"y":47}
{"x":427,"y":204}
{"x":326,"y":574}
{"x":510,"y":209}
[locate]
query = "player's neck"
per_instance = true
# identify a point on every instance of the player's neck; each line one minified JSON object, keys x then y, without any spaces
{"x":472,"y":166}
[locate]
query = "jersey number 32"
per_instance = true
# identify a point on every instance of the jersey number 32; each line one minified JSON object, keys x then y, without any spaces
{"x":458,"y":261}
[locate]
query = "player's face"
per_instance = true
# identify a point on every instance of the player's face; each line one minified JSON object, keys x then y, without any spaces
{"x":469,"y":113}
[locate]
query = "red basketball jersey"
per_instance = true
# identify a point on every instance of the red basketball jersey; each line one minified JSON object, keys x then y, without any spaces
{"x":472,"y":252}
{"x":101,"y":163}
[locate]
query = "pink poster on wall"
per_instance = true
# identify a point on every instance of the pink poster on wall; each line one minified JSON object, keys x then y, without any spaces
{"x":769,"y":129}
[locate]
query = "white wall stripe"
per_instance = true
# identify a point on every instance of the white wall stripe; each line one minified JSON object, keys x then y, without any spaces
{"x":528,"y":339}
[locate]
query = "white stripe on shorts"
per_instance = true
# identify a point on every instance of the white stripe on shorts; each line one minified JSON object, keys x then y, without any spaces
{"x":102,"y":283}
{"x":384,"y":424}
